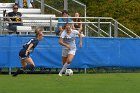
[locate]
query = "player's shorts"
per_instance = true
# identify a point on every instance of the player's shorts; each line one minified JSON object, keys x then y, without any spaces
{"x":22,"y":54}
{"x":65,"y":52}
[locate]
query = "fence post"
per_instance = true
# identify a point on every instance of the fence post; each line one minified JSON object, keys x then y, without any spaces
{"x":9,"y":70}
{"x":115,"y":29}
{"x":42,"y":6}
{"x":110,"y":32}
{"x":85,"y":70}
{"x":1,"y":26}
{"x":85,"y":23}
{"x":99,"y":27}
{"x":65,"y":4}
{"x":51,"y":25}
{"x":87,"y":32}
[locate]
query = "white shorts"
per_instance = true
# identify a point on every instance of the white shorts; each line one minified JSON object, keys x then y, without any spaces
{"x":65,"y":52}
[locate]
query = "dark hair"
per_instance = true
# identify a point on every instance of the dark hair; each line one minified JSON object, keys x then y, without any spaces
{"x":77,"y":20}
{"x":15,"y":5}
{"x":67,"y":24}
{"x":64,"y":11}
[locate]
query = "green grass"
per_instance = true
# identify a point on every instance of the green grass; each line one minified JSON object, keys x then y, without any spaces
{"x":78,"y":83}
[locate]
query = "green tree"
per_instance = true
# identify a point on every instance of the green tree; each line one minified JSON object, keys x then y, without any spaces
{"x":126,"y":12}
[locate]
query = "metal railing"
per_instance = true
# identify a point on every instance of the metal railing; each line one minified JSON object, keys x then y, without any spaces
{"x":114,"y":28}
{"x":58,"y":7}
{"x":99,"y":27}
{"x":43,"y":5}
{"x":66,"y":4}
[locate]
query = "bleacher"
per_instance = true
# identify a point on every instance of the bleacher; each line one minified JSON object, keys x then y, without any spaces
{"x":31,"y":19}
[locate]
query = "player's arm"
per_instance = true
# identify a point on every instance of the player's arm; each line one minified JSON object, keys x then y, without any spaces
{"x":28,"y":49}
{"x":72,"y":26}
{"x":80,"y":36}
{"x":60,"y":25}
{"x":60,"y":29}
{"x":8,"y":19}
{"x":62,"y":43}
{"x":21,"y":18}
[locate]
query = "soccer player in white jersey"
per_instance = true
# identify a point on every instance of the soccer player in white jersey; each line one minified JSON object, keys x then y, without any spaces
{"x":67,"y":40}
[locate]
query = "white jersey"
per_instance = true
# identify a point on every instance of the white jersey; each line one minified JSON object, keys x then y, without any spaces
{"x":70,"y":39}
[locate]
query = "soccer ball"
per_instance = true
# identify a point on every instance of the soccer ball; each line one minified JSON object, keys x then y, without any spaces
{"x":69,"y":72}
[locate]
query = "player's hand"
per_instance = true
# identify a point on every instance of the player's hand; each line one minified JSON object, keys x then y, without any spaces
{"x":68,"y":46}
{"x":26,"y":53}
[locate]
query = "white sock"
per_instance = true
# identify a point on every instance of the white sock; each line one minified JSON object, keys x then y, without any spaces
{"x":65,"y":66}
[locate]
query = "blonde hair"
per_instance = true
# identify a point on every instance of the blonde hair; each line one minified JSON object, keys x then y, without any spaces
{"x":38,"y":30}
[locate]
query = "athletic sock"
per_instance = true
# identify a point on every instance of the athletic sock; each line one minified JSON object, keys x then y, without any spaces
{"x":64,"y":68}
{"x":19,"y":71}
{"x":29,"y":67}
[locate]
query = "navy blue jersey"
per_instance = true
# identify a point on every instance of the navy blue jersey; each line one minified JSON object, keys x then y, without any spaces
{"x":16,"y":17}
{"x":33,"y":41}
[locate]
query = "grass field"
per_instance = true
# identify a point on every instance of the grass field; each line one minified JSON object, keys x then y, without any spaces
{"x":78,"y":83}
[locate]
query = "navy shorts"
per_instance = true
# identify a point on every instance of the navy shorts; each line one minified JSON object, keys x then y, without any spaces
{"x":22,"y":54}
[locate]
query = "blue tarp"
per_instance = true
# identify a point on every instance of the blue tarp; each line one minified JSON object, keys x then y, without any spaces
{"x":96,"y":52}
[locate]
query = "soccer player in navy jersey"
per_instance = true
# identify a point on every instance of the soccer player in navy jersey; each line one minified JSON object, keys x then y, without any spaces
{"x":27,"y":49}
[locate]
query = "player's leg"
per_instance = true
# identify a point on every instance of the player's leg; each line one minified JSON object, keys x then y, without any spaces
{"x":64,"y":65}
{"x":70,"y":58}
{"x":26,"y":59}
{"x":70,"y":55}
{"x":23,"y":63}
{"x":67,"y":63}
{"x":23,"y":59}
{"x":64,"y":55}
{"x":30,"y":63}
{"x":20,"y":71}
{"x":64,"y":58}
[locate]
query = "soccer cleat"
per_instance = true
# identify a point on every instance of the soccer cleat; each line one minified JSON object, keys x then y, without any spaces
{"x":18,"y":72}
{"x":15,"y":74}
{"x":60,"y":74}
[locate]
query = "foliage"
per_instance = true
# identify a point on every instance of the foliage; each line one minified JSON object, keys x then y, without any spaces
{"x":126,"y":12}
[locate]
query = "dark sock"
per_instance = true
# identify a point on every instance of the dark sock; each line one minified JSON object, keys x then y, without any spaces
{"x":30,"y":67}
{"x":19,"y":71}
